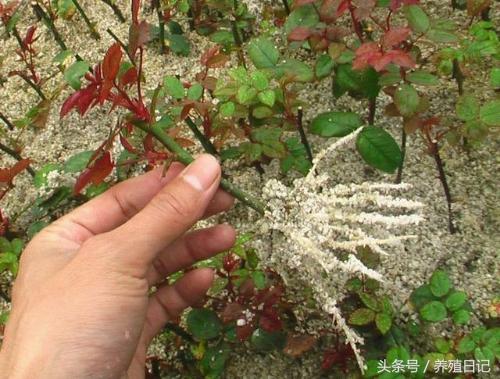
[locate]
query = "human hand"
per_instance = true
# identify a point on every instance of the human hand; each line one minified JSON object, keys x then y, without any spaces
{"x":81,"y":306}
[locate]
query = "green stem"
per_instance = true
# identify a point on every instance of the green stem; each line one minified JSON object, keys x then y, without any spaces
{"x":161,"y":25}
{"x":33,"y":85}
{"x":184,"y":157}
{"x":205,"y":142}
{"x":40,"y":13}
{"x":95,"y":34}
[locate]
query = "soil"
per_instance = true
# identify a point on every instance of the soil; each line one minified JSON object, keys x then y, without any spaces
{"x":471,"y":256}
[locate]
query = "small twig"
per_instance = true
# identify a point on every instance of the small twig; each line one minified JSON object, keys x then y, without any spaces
{"x":118,"y":13}
{"x":303,"y":136}
{"x":161,"y":25}
{"x":459,"y":76}
{"x":7,"y":122}
{"x":123,"y":45}
{"x":32,"y":85}
{"x":184,"y":157}
{"x":286,"y":6}
{"x":399,"y":177}
{"x":444,"y":182}
{"x":205,"y":142}
{"x":372,"y":111}
{"x":40,"y":13}
{"x":93,"y":32}
{"x":14,"y":154}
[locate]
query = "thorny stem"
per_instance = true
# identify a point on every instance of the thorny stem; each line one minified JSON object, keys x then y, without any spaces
{"x":7,"y":122}
{"x":303,"y":136}
{"x":14,"y":154}
{"x":184,"y":157}
{"x":94,"y":33}
{"x":286,"y":6}
{"x":40,"y":13}
{"x":161,"y":25}
{"x":459,"y":76}
{"x":33,"y":85}
{"x":115,"y":9}
{"x":372,"y":111}
{"x":399,"y":177}
{"x":237,"y":40}
{"x":205,"y":142}
{"x":444,"y":182}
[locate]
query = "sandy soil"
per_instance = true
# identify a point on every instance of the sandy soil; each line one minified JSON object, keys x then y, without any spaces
{"x":471,"y":256}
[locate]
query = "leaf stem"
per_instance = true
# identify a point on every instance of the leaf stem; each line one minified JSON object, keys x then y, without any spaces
{"x":303,"y":136}
{"x":444,"y":182}
{"x":184,"y":157}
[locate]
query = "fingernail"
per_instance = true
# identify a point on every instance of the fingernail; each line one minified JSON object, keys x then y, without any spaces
{"x":202,"y":172}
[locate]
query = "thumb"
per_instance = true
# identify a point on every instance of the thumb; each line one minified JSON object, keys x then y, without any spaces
{"x":173,"y":211}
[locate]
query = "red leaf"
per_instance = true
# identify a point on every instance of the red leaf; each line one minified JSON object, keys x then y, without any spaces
{"x":111,"y":62}
{"x":138,"y":36}
{"x":95,"y":174}
{"x":298,"y":345}
{"x":398,"y":57}
{"x":7,"y":175}
{"x":367,"y":54}
{"x":28,"y":40}
{"x":129,"y":77}
{"x":300,"y":34}
{"x":136,"y":4}
{"x":395,"y":36}
{"x":396,"y":4}
{"x":127,"y":145}
{"x":270,"y":320}
{"x":343,"y":7}
{"x":231,"y":312}
{"x":244,"y":332}
{"x":300,"y":3}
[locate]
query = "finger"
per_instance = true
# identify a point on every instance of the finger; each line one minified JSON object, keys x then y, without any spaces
{"x":174,"y":210}
{"x":191,"y":248}
{"x":121,"y":202}
{"x":169,"y":301}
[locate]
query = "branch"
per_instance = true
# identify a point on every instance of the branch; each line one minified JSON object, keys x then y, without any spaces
{"x":116,"y":10}
{"x":95,"y":34}
{"x":303,"y":136}
{"x":184,"y":157}
{"x":205,"y":142}
{"x":7,"y":122}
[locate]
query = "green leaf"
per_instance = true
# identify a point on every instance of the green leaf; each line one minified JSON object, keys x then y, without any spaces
{"x":263,"y":53}
{"x":267,"y":97}
{"x":246,"y":94}
{"x":62,"y":56}
{"x":195,"y":91}
{"x":389,"y":79}
{"x":214,"y":360}
{"x":455,"y":300}
{"x":174,"y":87}
{"x":4,"y":245}
{"x":357,"y":83}
{"x":78,"y":162}
{"x":418,"y":20}
{"x":383,"y":322}
{"x":297,"y":71}
{"x":467,"y":108}
{"x":203,"y":324}
{"x":227,"y":109}
{"x":41,"y":175}
{"x":362,"y":316}
{"x":305,"y":16}
{"x":179,"y":44}
{"x":335,"y":124}
{"x":262,"y":112}
{"x":495,"y":77}
{"x":369,"y":301}
{"x":75,"y":72}
{"x":422,"y":78}
{"x":442,"y":36}
{"x":259,"y":80}
{"x":490,"y":113}
{"x":407,"y":100}
{"x":461,"y":317}
{"x":440,"y":283}
{"x":9,"y":261}
{"x":259,"y":279}
{"x":266,"y":341}
{"x":434,"y":311}
{"x":252,"y":258}
{"x":466,"y":345}
{"x":17,"y":246}
{"x":297,"y":158}
{"x":35,"y":227}
{"x":324,"y":66}
{"x":442,"y":345}
{"x":379,"y":149}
